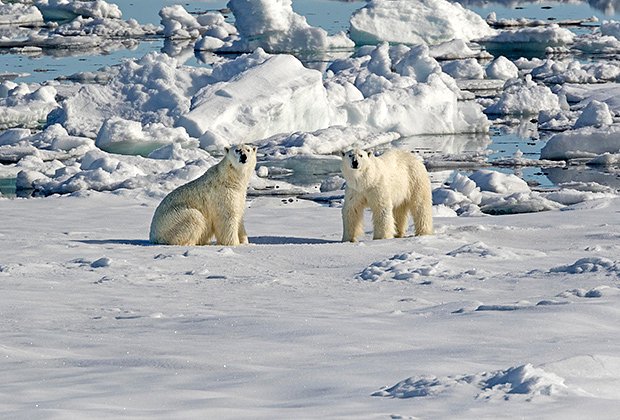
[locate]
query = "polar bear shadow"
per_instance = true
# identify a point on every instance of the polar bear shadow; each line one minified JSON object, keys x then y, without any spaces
{"x":288,"y":240}
{"x":134,"y":242}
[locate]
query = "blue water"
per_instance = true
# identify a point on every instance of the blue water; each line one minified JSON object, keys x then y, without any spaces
{"x":332,"y":15}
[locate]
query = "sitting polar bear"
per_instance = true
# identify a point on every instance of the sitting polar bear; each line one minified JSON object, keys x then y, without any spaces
{"x":211,"y":205}
{"x":392,"y":185}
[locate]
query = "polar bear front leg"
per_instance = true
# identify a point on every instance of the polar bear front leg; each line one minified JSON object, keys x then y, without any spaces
{"x":352,"y":217}
{"x":243,"y":236}
{"x":227,"y":233}
{"x":383,"y":221}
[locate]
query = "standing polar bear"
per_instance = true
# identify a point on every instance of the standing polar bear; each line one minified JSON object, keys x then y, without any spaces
{"x":392,"y":185}
{"x":211,"y":205}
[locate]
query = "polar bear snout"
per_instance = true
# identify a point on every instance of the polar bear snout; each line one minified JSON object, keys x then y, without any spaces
{"x":354,"y":163}
{"x":243,"y":157}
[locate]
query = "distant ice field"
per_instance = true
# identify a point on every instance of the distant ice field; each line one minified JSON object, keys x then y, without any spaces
{"x":507,"y":137}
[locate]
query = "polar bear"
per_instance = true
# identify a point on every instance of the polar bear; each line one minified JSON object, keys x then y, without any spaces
{"x":211,"y":205}
{"x":392,"y":186}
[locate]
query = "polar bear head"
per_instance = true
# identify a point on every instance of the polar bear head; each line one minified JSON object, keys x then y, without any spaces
{"x":355,"y":167}
{"x":242,"y":156}
{"x":356,"y":159}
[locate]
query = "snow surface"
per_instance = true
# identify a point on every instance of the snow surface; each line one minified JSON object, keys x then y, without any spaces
{"x":427,"y":21}
{"x":488,"y":317}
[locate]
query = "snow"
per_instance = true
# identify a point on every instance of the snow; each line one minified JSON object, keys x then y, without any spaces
{"x":595,"y":114}
{"x":525,"y":380}
{"x":530,"y":38}
{"x":587,"y":142}
{"x":19,"y":14}
{"x":179,"y":24}
{"x":502,"y":68}
{"x":510,"y":307}
{"x":277,"y":95}
{"x":273,"y":26}
{"x":94,"y":9}
{"x":21,"y":106}
{"x":89,"y":305}
{"x":524,"y":97}
{"x":130,"y":137}
{"x":428,"y":21}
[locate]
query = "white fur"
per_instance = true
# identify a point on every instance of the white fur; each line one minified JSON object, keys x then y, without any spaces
{"x":393,"y":186}
{"x":212,"y":205}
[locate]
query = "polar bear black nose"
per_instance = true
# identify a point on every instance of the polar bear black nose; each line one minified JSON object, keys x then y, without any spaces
{"x":354,"y":164}
{"x":242,"y":158}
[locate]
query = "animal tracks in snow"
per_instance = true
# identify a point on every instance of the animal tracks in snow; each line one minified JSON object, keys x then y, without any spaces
{"x":412,"y":265}
{"x":589,"y":265}
{"x":524,"y":381}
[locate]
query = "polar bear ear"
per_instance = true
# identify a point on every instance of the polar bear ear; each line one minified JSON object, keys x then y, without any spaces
{"x":342,"y":153}
{"x":369,"y":153}
{"x":254,"y":149}
{"x":226,"y":149}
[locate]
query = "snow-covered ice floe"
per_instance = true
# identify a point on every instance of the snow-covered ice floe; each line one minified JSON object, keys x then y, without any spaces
{"x":19,"y":14}
{"x":424,"y":22}
{"x":76,"y":25}
{"x":273,"y":26}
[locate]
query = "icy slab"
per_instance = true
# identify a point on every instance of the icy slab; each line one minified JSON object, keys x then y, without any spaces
{"x":151,"y":89}
{"x":427,"y":21}
{"x":609,"y":93}
{"x":101,"y":171}
{"x":498,"y":182}
{"x":25,"y":107}
{"x":85,"y":25}
{"x":528,"y":39}
{"x":521,"y":202}
{"x":595,"y":114}
{"x":573,"y":71}
{"x":130,"y":137}
{"x":19,"y":14}
{"x":403,"y":90}
{"x":273,"y":26}
{"x":104,"y":28}
{"x":457,"y":48}
{"x":587,"y":142}
{"x":524,"y":97}
{"x":63,"y":9}
{"x":463,"y":69}
{"x":323,"y":142}
{"x":493,"y":192}
{"x":502,"y":68}
{"x":51,"y":144}
{"x":493,"y":21}
{"x":278,"y":95}
{"x":179,"y":24}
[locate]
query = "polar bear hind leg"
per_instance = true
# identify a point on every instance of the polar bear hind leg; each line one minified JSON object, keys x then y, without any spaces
{"x":422,"y":214}
{"x":182,"y":226}
{"x":401,"y":219}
